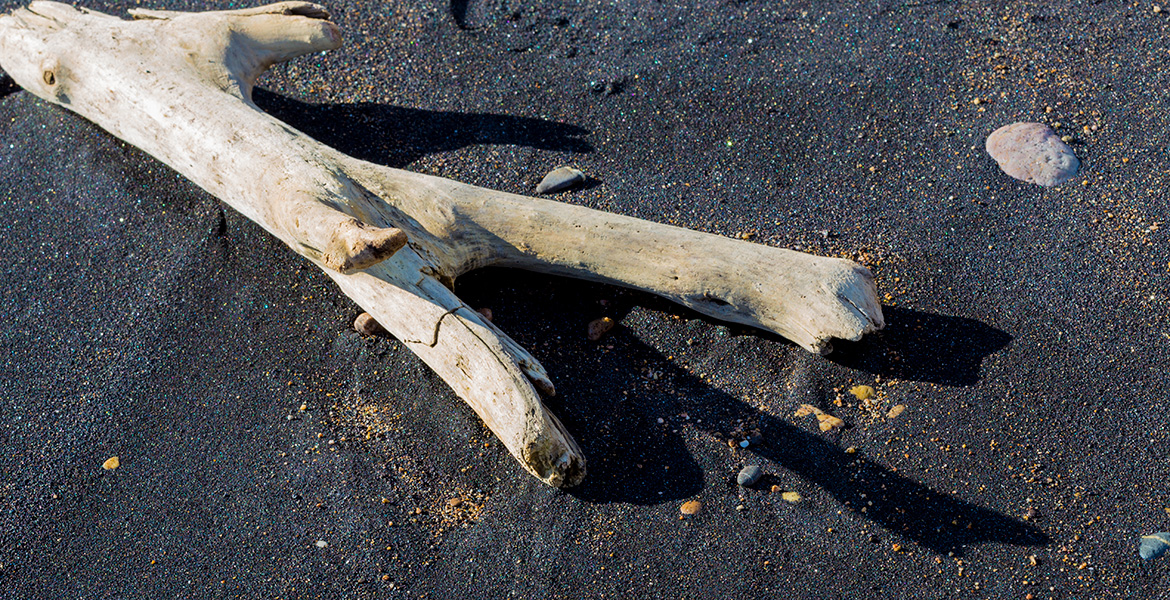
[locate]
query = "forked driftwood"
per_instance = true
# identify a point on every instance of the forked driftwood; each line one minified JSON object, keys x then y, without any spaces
{"x":178,"y":86}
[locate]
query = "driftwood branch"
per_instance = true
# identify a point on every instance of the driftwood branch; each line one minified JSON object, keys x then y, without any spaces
{"x":178,"y":86}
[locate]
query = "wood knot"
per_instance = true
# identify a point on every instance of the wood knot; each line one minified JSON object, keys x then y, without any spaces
{"x":356,"y":246}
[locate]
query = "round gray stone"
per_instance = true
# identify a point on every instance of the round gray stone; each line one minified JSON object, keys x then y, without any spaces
{"x":749,"y":475}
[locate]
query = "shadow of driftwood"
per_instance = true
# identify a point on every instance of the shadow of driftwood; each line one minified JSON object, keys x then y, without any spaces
{"x":396,"y":136}
{"x":600,"y":399}
{"x":933,"y":519}
{"x":7,"y":85}
{"x":459,"y":13}
{"x":613,"y":407}
{"x":920,"y":346}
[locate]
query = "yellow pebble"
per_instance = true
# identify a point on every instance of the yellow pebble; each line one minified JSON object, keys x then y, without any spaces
{"x":863,"y":392}
{"x":111,"y":463}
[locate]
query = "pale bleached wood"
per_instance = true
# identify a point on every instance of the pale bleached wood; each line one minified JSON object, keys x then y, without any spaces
{"x":178,"y":85}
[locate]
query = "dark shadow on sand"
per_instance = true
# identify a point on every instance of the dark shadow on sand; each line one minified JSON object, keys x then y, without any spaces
{"x":632,"y":457}
{"x":459,"y":13}
{"x":613,"y":392}
{"x":933,"y":519}
{"x":395,"y":136}
{"x":920,"y":346}
{"x":7,"y":85}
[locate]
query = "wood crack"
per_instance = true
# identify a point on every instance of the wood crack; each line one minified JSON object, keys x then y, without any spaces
{"x":435,"y":336}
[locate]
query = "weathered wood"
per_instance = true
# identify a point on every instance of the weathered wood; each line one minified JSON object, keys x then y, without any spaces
{"x":178,"y":85}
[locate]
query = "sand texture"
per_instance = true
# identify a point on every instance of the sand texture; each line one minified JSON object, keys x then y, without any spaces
{"x":1027,"y":331}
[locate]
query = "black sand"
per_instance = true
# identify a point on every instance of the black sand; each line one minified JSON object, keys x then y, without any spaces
{"x":1027,"y":337}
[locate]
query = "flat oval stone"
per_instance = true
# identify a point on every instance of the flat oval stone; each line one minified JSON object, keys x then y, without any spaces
{"x":1032,"y":152}
{"x":366,"y":325}
{"x":598,"y":328}
{"x":749,"y":475}
{"x":1154,"y":545}
{"x":559,"y":179}
{"x":691,"y":507}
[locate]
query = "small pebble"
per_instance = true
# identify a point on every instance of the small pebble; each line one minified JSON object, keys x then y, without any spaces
{"x":775,"y":489}
{"x":366,"y":325}
{"x":111,"y":463}
{"x":828,"y":422}
{"x":454,"y":502}
{"x":1032,"y":152}
{"x":749,"y":475}
{"x":744,"y":444}
{"x":851,"y":450}
{"x":740,"y":507}
{"x":1154,"y":545}
{"x":691,"y":507}
{"x":322,"y":544}
{"x":600,"y":327}
{"x":791,"y":497}
{"x":895,"y":411}
{"x":559,"y":179}
{"x":862,"y":392}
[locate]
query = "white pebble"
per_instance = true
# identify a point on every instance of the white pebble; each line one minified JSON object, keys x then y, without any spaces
{"x":322,"y":544}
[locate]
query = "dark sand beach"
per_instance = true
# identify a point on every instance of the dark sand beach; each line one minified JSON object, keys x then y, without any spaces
{"x":1027,"y":330}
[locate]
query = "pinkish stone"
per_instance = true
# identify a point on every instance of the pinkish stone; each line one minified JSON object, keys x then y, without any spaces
{"x":1032,"y":152}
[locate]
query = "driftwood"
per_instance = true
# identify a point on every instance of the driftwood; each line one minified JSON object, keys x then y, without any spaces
{"x":178,"y":86}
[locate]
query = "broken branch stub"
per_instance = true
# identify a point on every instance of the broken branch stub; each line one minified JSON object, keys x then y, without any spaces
{"x":178,"y":85}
